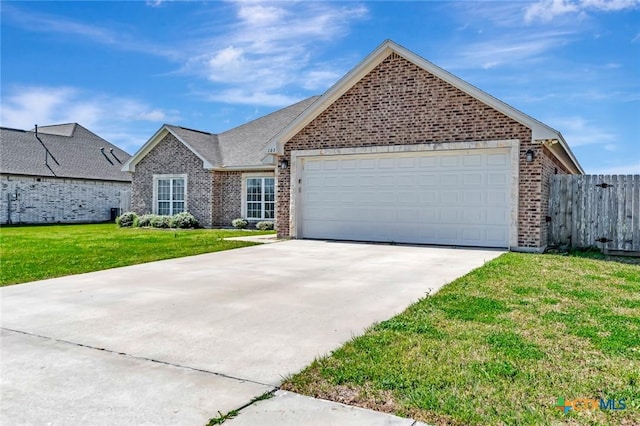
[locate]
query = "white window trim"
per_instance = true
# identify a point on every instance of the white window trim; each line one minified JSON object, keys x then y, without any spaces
{"x":156,"y":178}
{"x":246,"y":176}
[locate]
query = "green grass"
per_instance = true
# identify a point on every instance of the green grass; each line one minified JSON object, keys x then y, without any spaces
{"x":500,"y":346}
{"x":30,"y":253}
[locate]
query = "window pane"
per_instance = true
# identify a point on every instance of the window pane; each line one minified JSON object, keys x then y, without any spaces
{"x":163,"y":189}
{"x":178,"y":207}
{"x":269,"y":189}
{"x":178,"y":189}
{"x":163,"y":208}
{"x":269,"y":210}
{"x":254,"y":211}
{"x":254,"y":189}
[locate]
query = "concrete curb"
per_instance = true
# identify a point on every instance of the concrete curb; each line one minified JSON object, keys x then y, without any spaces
{"x":288,"y":408}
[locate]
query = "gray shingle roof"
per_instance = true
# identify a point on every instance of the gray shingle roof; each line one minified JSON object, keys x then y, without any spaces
{"x":205,"y":144}
{"x":76,"y":149}
{"x":244,"y":144}
{"x":239,"y":147}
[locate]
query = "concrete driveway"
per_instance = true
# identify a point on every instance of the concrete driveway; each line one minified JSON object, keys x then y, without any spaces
{"x":176,"y":341}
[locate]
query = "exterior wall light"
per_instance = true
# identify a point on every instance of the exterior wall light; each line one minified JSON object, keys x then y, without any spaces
{"x":284,"y":164}
{"x":529,"y":156}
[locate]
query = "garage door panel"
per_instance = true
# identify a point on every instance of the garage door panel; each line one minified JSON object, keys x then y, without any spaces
{"x":472,"y":160}
{"x":473,"y":197}
{"x":450,"y":197}
{"x":407,"y":162}
{"x":449,"y":180}
{"x":497,"y":159}
{"x":407,"y":216}
{"x":500,"y":179}
{"x":496,"y":216}
{"x":446,"y":197}
{"x":449,"y":161}
{"x":472,"y":179}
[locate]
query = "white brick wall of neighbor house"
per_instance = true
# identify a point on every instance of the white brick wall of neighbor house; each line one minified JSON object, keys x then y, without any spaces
{"x":27,"y":199}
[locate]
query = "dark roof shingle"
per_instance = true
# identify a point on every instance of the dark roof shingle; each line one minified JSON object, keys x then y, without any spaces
{"x":76,"y":149}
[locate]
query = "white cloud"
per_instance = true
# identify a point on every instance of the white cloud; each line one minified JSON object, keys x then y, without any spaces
{"x":547,"y":10}
{"x":510,"y":49}
{"x":57,"y":24}
{"x":251,"y":97}
{"x":116,"y":119}
{"x":270,"y":49}
{"x":578,"y":132}
{"x":620,"y":169}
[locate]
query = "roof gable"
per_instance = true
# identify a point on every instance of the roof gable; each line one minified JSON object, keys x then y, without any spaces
{"x":202,"y":144}
{"x":539,"y":130}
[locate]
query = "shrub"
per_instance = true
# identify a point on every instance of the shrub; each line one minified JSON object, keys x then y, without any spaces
{"x":240,"y":223}
{"x":265,"y":226}
{"x":145,"y":220}
{"x":161,"y":222}
{"x":126,"y":220}
{"x":183,"y":220}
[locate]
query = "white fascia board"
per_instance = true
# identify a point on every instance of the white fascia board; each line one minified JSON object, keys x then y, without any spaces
{"x":569,"y":153}
{"x":266,"y":167}
{"x":130,"y":165}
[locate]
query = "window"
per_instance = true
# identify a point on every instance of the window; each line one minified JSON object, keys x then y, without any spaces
{"x":169,"y":194}
{"x":260,"y":198}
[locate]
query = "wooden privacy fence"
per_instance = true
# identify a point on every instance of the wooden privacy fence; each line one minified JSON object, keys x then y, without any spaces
{"x":595,"y":210}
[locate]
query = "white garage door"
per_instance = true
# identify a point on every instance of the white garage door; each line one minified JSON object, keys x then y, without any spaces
{"x":452,"y":198}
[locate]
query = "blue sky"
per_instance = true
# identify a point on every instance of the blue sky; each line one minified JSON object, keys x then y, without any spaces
{"x":124,"y":68}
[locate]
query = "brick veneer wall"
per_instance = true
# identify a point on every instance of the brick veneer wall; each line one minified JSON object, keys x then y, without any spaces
{"x":227,"y":197}
{"x":170,"y":156}
{"x":41,"y":199}
{"x":398,"y":103}
{"x":550,"y":166}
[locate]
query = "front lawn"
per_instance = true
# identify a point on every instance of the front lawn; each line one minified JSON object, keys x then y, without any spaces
{"x":31,"y":253}
{"x":500,"y":345}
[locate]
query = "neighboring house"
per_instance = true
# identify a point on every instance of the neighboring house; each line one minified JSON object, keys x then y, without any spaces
{"x":60,"y":174}
{"x":398,"y":150}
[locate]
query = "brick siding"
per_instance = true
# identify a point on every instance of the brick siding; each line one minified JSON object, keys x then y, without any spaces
{"x":170,"y":156}
{"x":227,"y":197}
{"x":398,"y":103}
{"x":38,"y":199}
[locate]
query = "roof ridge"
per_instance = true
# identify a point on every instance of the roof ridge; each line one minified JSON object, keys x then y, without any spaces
{"x":193,"y":130}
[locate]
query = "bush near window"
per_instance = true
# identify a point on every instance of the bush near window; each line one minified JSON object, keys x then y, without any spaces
{"x":264,"y":226}
{"x":127,"y":220}
{"x":161,"y":222}
{"x":182,"y":220}
{"x":144,"y":221}
{"x":240,"y":223}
